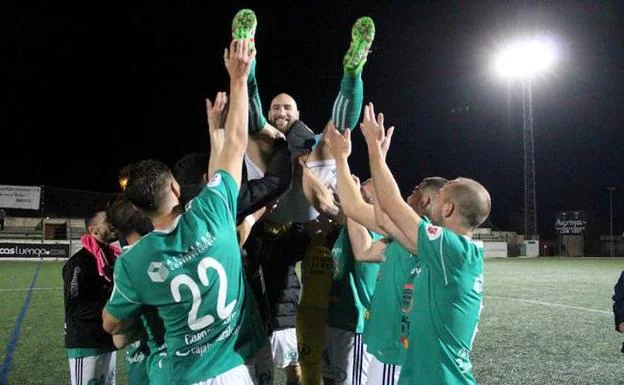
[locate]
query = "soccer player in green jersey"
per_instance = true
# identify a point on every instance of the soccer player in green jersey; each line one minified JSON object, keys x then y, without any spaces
{"x":448,"y":289}
{"x":145,"y":343}
{"x":387,"y":324}
{"x":352,"y":288}
{"x":190,"y":266}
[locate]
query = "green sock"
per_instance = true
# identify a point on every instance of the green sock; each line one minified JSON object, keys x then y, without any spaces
{"x":348,"y":103}
{"x":257,"y":121}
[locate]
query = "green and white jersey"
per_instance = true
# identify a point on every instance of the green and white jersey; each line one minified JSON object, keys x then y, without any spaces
{"x":445,"y":310}
{"x":352,"y":287}
{"x":192,"y":273}
{"x":387,"y":327}
{"x":136,"y":364}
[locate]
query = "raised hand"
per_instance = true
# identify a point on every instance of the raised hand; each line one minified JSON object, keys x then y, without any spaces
{"x":385,"y":143}
{"x":339,"y":145}
{"x":374,"y":131}
{"x":238,"y":59}
{"x":217,"y":112}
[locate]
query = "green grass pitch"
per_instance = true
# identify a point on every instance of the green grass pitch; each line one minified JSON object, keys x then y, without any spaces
{"x":544,"y":321}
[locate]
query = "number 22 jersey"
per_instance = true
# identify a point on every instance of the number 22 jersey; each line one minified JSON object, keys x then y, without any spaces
{"x":192,"y":273}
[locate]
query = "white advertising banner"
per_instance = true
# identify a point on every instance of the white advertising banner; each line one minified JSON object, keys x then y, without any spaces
{"x":20,"y":197}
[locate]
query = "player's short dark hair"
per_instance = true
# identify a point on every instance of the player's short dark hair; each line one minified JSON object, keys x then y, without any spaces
{"x":433,"y":183}
{"x":190,"y":169}
{"x":126,"y":218}
{"x":147,"y":184}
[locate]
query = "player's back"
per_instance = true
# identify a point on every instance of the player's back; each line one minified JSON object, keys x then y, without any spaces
{"x":192,"y":273}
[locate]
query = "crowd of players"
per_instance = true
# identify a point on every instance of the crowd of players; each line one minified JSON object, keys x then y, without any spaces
{"x":204,"y":288}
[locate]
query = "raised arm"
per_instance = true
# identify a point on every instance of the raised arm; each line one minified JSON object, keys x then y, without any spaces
{"x":351,"y":201}
{"x":384,"y":221}
{"x":364,"y":248}
{"x":237,"y":62}
{"x":216,"y":121}
{"x":386,"y":189}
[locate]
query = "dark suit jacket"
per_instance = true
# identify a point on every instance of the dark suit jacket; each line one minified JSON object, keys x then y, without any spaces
{"x":618,"y":297}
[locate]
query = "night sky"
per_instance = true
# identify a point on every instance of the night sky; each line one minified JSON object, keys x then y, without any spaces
{"x":127,"y":83}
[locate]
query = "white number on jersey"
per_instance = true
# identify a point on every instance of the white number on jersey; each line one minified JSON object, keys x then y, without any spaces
{"x":223,"y":310}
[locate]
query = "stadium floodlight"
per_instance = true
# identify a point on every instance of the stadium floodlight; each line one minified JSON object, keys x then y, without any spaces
{"x":525,"y":58}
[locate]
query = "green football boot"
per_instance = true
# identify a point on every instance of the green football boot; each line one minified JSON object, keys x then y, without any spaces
{"x":362,"y":36}
{"x":244,"y":26}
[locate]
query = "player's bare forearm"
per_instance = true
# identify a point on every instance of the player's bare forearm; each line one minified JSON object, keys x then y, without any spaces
{"x":391,"y":229}
{"x":237,"y":62}
{"x":362,"y":243}
{"x":235,"y":142}
{"x":216,"y":146}
{"x":236,"y":135}
{"x":390,"y":200}
{"x":351,"y":201}
{"x":112,"y":325}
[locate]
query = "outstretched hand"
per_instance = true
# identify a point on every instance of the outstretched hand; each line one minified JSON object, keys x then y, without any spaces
{"x":217,"y":112}
{"x":238,"y":59}
{"x":373,"y":129}
{"x":338,"y":144}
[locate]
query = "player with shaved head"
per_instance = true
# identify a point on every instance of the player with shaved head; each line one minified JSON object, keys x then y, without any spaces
{"x":445,"y":304}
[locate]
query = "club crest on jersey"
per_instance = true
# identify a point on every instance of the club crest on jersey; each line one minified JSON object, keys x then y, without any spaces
{"x":215,"y":180}
{"x":407,"y":298}
{"x":433,"y":232}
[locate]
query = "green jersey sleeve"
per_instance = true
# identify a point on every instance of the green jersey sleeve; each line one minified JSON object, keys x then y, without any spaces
{"x":124,"y":302}
{"x":224,"y":187}
{"x":445,"y":250}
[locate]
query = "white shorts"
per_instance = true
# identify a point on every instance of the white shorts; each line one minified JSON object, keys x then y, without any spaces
{"x":100,"y":368}
{"x":382,"y":374}
{"x":263,"y":363}
{"x":284,"y":347}
{"x":238,"y":375}
{"x":346,"y":359}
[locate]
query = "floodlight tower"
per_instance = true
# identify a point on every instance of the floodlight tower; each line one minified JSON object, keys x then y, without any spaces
{"x":523,"y":60}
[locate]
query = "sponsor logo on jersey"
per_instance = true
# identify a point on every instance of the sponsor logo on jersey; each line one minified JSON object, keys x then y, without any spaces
{"x":215,"y":180}
{"x":415,"y":272}
{"x":200,"y":246}
{"x":433,"y":232}
{"x":182,"y":354}
{"x":157,"y":272}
